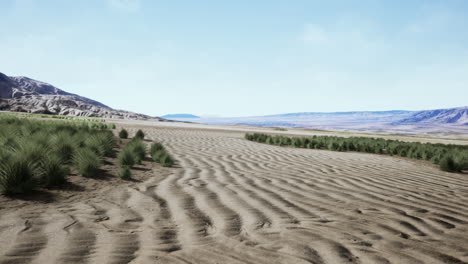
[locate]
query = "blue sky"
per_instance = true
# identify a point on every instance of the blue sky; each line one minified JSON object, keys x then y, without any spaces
{"x":243,"y":57}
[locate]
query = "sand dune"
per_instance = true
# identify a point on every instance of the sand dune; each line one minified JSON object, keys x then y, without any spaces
{"x":230,"y":200}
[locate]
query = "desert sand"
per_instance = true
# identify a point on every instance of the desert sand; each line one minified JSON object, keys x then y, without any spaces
{"x":229,"y":200}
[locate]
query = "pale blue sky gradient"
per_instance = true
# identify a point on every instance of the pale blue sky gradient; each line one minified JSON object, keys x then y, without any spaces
{"x":243,"y":57}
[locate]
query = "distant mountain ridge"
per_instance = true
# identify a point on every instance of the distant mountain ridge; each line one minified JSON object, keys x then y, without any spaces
{"x":354,"y":120}
{"x":23,"y":94}
{"x":456,"y":116}
{"x":179,"y":116}
{"x":344,"y":113}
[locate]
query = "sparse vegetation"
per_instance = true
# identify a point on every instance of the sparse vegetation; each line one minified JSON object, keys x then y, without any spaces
{"x":125,"y":173}
{"x":166,"y":160}
{"x":156,"y":147}
{"x":451,"y":158}
{"x":133,"y":153}
{"x":159,"y":154}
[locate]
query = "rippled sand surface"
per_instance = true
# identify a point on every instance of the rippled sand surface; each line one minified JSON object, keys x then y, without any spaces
{"x":229,"y":200}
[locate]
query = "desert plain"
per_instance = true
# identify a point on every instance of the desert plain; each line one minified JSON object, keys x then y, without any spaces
{"x":229,"y":200}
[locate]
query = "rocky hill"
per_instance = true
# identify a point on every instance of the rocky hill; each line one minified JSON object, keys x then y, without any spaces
{"x":454,"y":116}
{"x":22,"y":94}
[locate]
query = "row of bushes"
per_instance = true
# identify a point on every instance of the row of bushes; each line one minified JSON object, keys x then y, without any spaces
{"x":74,"y":118}
{"x":451,"y":158}
{"x":41,"y":153}
{"x":91,"y":122}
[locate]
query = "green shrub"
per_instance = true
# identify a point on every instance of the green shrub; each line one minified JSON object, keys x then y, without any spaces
{"x":159,"y":154}
{"x":156,"y":147}
{"x":87,"y":162}
{"x":156,"y":155}
{"x":166,"y":160}
{"x":53,"y":171}
{"x":139,"y":134}
{"x":126,"y":157}
{"x":447,"y":163}
{"x":18,"y":175}
{"x":125,"y":173}
{"x":123,"y":133}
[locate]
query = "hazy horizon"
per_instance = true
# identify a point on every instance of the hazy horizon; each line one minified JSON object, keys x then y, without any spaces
{"x":285,"y":113}
{"x":243,"y":58}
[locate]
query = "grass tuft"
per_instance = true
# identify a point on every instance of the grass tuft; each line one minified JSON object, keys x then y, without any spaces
{"x":54,"y":173}
{"x":159,"y":154}
{"x":125,"y":173}
{"x":126,"y":158}
{"x":87,"y":162}
{"x":18,"y":175}
{"x":139,"y":150}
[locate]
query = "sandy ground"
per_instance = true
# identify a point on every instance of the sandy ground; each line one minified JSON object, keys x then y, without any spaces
{"x":229,"y":200}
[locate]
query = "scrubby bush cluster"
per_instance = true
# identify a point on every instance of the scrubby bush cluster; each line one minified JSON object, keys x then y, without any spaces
{"x":159,"y":154}
{"x":37,"y":153}
{"x":451,"y":158}
{"x":42,"y":153}
{"x":133,"y":153}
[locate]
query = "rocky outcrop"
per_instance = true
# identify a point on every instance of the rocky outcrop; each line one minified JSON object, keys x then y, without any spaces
{"x":22,"y":94}
{"x":6,"y":86}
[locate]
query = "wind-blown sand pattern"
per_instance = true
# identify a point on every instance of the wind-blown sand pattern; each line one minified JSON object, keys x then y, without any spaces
{"x":230,"y":200}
